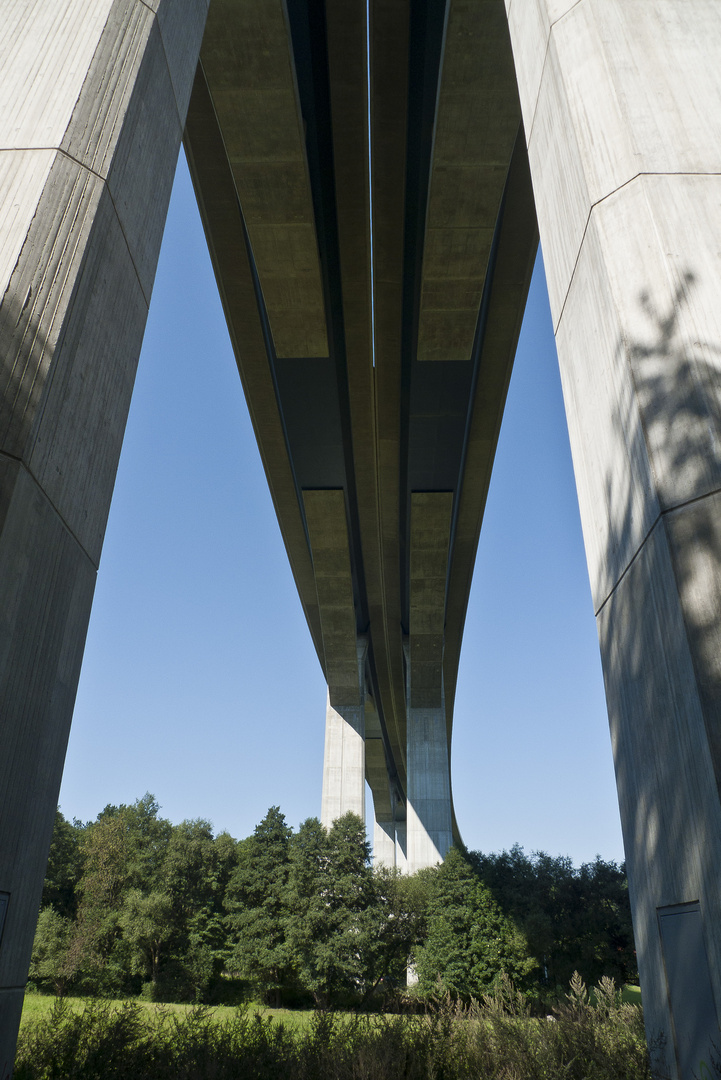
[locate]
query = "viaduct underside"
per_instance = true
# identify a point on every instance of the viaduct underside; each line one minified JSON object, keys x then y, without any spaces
{"x":372,"y":178}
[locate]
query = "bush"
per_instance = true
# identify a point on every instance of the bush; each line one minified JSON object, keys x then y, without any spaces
{"x":493,"y":1038}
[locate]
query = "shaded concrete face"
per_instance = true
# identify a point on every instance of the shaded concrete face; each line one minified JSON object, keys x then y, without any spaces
{"x":247,"y":55}
{"x":384,"y":842}
{"x":624,"y":153}
{"x":92,"y":106}
{"x":388,"y":806}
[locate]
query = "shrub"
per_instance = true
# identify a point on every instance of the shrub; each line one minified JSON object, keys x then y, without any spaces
{"x":494,"y":1038}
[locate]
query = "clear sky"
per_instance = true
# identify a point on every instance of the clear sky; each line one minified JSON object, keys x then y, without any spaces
{"x":200,"y":683}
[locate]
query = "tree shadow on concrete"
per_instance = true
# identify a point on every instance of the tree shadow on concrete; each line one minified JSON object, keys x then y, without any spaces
{"x":659,"y":629}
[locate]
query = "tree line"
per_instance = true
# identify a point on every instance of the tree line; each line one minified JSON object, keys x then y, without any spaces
{"x":134,"y":905}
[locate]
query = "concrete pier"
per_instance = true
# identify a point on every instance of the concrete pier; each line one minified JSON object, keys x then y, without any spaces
{"x":429,"y":826}
{"x":93,"y":95}
{"x":384,"y":842}
{"x":624,"y":138}
{"x":343,"y":762}
{"x":376,"y":374}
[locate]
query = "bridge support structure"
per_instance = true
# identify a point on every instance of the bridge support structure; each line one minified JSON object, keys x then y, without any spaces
{"x":429,"y":822}
{"x":624,"y":144}
{"x":618,"y":104}
{"x":93,"y":99}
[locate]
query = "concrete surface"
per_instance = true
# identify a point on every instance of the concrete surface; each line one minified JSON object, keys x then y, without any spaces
{"x":92,"y":103}
{"x":376,"y":382}
{"x":619,"y":105}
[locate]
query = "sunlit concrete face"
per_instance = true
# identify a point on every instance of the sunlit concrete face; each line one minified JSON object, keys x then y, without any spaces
{"x":625,"y":155}
{"x":93,"y":97}
{"x":343,"y":788}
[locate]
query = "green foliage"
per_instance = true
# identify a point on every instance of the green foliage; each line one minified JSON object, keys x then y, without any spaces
{"x":332,"y":889}
{"x":64,"y":868}
{"x":49,"y":965}
{"x":257,"y":902}
{"x":491,"y":1039}
{"x":196,"y":870}
{"x":146,"y":920}
{"x":572,"y":918}
{"x":134,"y":905}
{"x":469,"y":942}
{"x":392,"y":926}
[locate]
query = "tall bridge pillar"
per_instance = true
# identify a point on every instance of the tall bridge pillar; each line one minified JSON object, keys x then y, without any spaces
{"x":429,"y":827}
{"x":345,"y":656}
{"x":344,"y":753}
{"x":620,"y":107}
{"x":93,"y":95}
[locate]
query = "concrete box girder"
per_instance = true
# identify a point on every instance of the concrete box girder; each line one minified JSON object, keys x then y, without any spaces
{"x":247,"y":58}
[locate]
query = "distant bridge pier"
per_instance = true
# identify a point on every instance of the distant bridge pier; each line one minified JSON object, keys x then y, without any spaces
{"x":343,"y":762}
{"x":384,"y":842}
{"x":345,"y":657}
{"x":387,"y":803}
{"x":429,"y":823}
{"x":620,"y":107}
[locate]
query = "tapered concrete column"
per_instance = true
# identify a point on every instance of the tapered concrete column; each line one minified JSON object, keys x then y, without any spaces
{"x":429,"y":831}
{"x":429,"y":827}
{"x":343,"y":763}
{"x":624,"y":133}
{"x":384,"y":842}
{"x":93,"y":95}
{"x":344,"y":756}
{"x":402,"y":846}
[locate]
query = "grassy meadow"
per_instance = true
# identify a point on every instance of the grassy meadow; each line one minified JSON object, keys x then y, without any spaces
{"x":38,"y":1008}
{"x":588,"y":1036}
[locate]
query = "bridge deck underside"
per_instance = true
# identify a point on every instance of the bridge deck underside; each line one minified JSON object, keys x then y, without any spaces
{"x":375,"y":348}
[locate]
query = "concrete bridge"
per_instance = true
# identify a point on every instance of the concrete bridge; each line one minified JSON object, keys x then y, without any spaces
{"x":371,"y":178}
{"x":375,"y":361}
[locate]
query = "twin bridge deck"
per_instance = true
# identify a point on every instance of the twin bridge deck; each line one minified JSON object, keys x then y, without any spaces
{"x":374,"y":277}
{"x":362,"y":169}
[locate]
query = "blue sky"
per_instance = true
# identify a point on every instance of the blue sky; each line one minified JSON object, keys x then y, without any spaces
{"x":200,"y":683}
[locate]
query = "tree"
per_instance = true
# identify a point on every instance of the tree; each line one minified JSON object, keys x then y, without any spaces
{"x":49,"y":965}
{"x":469,"y":941}
{"x":257,"y":903}
{"x":146,"y":920}
{"x":391,"y":927}
{"x":123,"y":849}
{"x":574,"y":918}
{"x":331,"y":885}
{"x":195,"y":871}
{"x":64,"y":869}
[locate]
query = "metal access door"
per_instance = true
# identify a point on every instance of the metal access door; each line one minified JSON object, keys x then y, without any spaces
{"x":693,"y":1011}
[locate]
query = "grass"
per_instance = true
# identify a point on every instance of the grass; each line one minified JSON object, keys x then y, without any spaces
{"x":497,"y":1038}
{"x":38,"y":1007}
